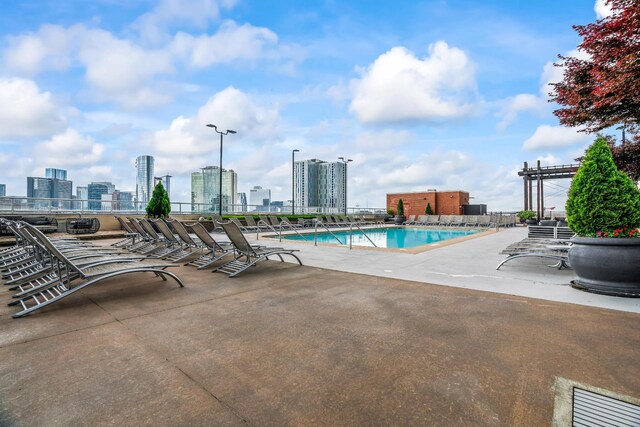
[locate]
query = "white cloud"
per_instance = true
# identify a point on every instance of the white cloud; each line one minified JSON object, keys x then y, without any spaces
{"x":25,"y":111}
{"x":121,"y":71}
{"x":231,"y":43}
{"x":398,"y":86}
{"x":519,"y":103}
{"x":547,"y":136}
{"x":49,"y":48}
{"x":187,"y":143}
{"x":69,"y":150}
{"x":536,"y":104}
{"x":195,"y":13}
{"x":602,"y":9}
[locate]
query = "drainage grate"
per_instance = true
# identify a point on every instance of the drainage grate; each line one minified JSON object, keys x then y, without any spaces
{"x":593,"y":409}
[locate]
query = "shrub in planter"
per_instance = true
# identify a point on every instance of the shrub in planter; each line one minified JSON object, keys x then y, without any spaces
{"x":400,"y":218}
{"x":159,"y":206}
{"x":428,"y":210}
{"x":525,"y":215}
{"x":603,"y":209}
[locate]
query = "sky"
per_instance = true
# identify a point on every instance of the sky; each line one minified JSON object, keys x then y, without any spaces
{"x":444,"y":94}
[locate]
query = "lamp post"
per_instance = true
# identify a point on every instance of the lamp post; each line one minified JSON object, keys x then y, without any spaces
{"x":345,"y":161}
{"x":228,"y":131}
{"x":293,"y":180}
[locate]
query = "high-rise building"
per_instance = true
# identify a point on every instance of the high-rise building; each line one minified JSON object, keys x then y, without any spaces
{"x":82,"y":195}
{"x":242,"y":202}
{"x":144,"y":179}
{"x":166,"y":183}
{"x":3,"y":190}
{"x":205,"y":189}
{"x":260,"y":198}
{"x":55,"y":173}
{"x":95,"y":190}
{"x":57,"y":191}
{"x":319,"y":184}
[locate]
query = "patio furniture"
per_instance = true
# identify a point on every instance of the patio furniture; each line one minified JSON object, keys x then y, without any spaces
{"x":72,"y":277}
{"x":541,"y":248}
{"x":217,"y":250}
{"x":252,"y":255}
{"x":189,"y":245}
{"x":82,"y":225}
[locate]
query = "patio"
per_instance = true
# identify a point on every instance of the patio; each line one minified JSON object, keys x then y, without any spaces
{"x":289,"y":345}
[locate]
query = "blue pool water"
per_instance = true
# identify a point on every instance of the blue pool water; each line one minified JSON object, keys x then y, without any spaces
{"x":396,"y":237}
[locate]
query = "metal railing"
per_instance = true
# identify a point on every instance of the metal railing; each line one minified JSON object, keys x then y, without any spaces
{"x":94,"y":206}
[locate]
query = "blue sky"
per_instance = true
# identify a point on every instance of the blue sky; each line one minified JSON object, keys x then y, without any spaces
{"x":433,"y":94}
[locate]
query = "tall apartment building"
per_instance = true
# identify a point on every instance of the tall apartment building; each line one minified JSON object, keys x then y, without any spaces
{"x":3,"y":190}
{"x":319,"y":184}
{"x":242,"y":202}
{"x":95,"y":190}
{"x":205,"y":189}
{"x":166,"y":183}
{"x":82,"y":195}
{"x":55,"y":173}
{"x":260,"y":198}
{"x":144,"y":179}
{"x":59,"y":192}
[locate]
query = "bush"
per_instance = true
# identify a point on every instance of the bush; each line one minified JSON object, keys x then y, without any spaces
{"x":391,"y":212}
{"x":524,"y":215}
{"x":159,"y":206}
{"x":428,"y":210}
{"x":400,"y":208}
{"x":602,"y":198}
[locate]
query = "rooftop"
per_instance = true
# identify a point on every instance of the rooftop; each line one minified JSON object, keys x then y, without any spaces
{"x":353,"y":337}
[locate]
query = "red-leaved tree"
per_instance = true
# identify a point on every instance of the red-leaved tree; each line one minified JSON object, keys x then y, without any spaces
{"x":603,"y":90}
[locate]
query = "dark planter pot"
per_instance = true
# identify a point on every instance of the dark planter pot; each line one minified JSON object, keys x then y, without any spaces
{"x":531,"y":222}
{"x":400,"y":219}
{"x":549,"y":222}
{"x":606,"y":266}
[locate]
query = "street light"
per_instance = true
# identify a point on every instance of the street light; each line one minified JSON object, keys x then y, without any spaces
{"x":293,"y":180}
{"x":345,"y":161}
{"x":228,"y":131}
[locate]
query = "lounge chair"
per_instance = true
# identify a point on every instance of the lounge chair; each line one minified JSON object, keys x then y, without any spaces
{"x":72,"y":277}
{"x":251,"y":254}
{"x":130,"y":234}
{"x":189,"y":246}
{"x":217,"y":250}
{"x":256,"y":226}
{"x":541,"y":248}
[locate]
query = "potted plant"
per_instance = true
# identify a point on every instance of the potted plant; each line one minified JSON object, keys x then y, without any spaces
{"x":400,"y":218}
{"x":159,"y":206}
{"x":528,"y":217}
{"x":603,"y":209}
{"x":428,"y":210}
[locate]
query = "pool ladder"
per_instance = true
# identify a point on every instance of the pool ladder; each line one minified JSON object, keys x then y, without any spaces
{"x":284,"y":226}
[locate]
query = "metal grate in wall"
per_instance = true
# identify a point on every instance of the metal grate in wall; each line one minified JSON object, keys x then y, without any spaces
{"x":593,"y":409}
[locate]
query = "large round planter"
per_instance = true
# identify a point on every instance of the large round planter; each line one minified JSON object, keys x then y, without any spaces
{"x":399,"y":219}
{"x":606,"y":266}
{"x":531,"y":222}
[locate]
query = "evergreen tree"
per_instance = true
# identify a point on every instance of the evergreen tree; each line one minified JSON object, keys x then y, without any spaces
{"x":428,"y":210}
{"x":602,"y":198}
{"x":159,"y":206}
{"x":400,"y":209}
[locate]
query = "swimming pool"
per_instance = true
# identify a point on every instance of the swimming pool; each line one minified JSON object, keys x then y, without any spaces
{"x":395,"y":237}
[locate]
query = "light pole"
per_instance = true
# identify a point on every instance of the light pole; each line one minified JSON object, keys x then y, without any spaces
{"x":293,"y":181}
{"x":228,"y":131}
{"x":345,"y":161}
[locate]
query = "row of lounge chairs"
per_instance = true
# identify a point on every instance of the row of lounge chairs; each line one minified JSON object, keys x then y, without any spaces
{"x":463,"y":220}
{"x":206,"y":249}
{"x":275,"y":224}
{"x":43,"y":270}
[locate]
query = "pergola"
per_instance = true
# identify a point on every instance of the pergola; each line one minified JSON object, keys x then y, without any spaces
{"x":539,"y":174}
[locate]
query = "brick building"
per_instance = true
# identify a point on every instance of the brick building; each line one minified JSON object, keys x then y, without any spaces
{"x":442,"y":202}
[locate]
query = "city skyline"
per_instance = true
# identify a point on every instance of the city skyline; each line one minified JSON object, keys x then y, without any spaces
{"x":447,"y":95}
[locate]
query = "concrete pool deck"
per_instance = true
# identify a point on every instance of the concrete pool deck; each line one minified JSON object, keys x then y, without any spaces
{"x":289,"y":345}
